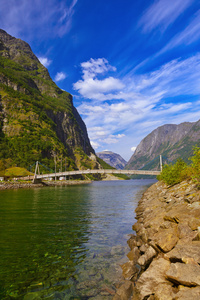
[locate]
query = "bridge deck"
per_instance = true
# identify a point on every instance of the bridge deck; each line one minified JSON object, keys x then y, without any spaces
{"x":100,"y":171}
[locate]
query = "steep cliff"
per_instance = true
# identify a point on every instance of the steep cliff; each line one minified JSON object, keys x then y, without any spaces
{"x":171,"y":141}
{"x":113,"y":159}
{"x":37,"y":119}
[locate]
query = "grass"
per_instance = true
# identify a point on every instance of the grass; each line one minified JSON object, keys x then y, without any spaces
{"x":16,"y":172}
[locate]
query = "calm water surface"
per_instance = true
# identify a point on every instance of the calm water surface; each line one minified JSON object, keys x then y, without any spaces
{"x":66,"y":242}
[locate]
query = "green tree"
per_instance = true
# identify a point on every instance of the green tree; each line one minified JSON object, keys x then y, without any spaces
{"x":195,"y":165}
{"x":173,"y":174}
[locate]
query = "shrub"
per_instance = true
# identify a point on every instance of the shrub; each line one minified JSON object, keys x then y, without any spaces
{"x":173,"y":174}
{"x":195,"y":165}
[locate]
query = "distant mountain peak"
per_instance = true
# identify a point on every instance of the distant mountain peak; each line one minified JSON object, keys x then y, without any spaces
{"x":113,"y":159}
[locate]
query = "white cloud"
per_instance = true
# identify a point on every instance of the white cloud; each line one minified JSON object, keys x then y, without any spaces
{"x":45,"y":61}
{"x":133,"y":149}
{"x":92,"y":88}
{"x":112,"y":139}
{"x":40,"y":18}
{"x":188,"y":36}
{"x":94,"y":145}
{"x":98,"y":89}
{"x":162,"y":13}
{"x":60,"y":76}
{"x":93,"y":67}
{"x":170,"y":94}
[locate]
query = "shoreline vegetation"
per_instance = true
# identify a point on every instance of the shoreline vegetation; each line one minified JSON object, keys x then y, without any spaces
{"x":164,"y":258}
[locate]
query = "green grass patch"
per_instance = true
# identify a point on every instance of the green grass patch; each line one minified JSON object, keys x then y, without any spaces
{"x":17,"y":172}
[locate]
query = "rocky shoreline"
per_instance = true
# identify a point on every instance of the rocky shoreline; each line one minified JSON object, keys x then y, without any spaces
{"x":23,"y":184}
{"x":164,"y":261}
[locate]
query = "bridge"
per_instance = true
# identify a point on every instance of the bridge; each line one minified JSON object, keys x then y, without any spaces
{"x":99,"y":171}
{"x":38,"y":177}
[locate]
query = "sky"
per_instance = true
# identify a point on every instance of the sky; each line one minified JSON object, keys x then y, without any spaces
{"x":131,"y":66}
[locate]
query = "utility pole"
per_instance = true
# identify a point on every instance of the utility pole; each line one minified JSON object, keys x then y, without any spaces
{"x":161,"y":167}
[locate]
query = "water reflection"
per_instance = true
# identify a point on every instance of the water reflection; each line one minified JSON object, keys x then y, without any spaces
{"x":63,"y":242}
{"x":42,"y":237}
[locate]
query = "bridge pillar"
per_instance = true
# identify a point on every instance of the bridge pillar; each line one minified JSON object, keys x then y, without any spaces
{"x":37,"y":180}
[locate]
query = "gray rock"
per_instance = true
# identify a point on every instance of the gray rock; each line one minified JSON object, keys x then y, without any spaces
{"x":86,"y":284}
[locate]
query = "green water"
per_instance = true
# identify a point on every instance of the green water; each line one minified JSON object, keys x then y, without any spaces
{"x":66,"y":242}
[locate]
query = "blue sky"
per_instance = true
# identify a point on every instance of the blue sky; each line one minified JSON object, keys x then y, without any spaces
{"x":131,"y":66}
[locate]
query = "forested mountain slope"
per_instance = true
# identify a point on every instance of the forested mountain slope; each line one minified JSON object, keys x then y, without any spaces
{"x":37,"y":119}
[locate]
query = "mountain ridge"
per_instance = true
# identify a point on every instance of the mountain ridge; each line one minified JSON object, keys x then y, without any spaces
{"x":113,"y":159}
{"x":170,"y":140}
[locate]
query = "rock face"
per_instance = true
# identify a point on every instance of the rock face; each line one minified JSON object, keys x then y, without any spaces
{"x":171,"y":141}
{"x":37,"y":119}
{"x":113,"y":159}
{"x":165,"y":252}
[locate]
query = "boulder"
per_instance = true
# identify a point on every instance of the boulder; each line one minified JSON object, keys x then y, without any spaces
{"x":134,"y":254}
{"x":194,"y":222}
{"x":166,"y":239}
{"x":184,"y":274}
{"x":134,"y":241}
{"x":184,"y":231}
{"x":183,"y":251}
{"x":188,"y":294}
{"x":147,"y":257}
{"x":125,"y":291}
{"x":129,"y":270}
{"x":152,"y":277}
{"x":164,"y":291}
{"x":144,"y":248}
{"x":178,"y":213}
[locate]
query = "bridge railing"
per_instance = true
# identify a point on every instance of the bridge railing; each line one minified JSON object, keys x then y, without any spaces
{"x":98,"y":171}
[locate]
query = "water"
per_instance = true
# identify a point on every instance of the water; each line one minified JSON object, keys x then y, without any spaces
{"x":66,"y":242}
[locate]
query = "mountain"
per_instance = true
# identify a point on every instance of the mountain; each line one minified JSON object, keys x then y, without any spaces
{"x":171,"y":141}
{"x":38,"y":120}
{"x":113,"y":159}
